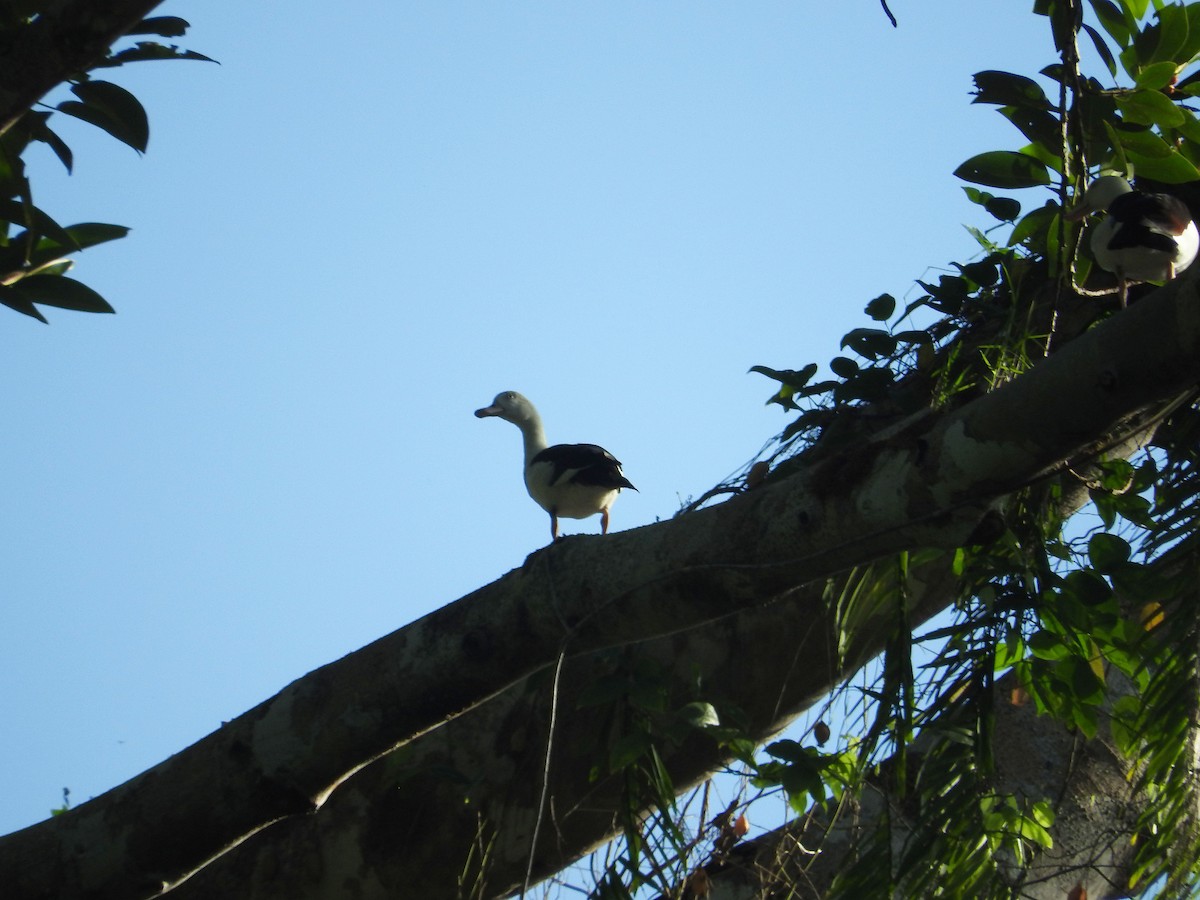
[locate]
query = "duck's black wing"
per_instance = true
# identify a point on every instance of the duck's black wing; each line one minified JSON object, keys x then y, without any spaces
{"x":588,"y":464}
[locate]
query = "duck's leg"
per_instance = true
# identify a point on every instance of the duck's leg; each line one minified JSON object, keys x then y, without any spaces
{"x":553,"y":525}
{"x":1123,"y":289}
{"x":604,"y":520}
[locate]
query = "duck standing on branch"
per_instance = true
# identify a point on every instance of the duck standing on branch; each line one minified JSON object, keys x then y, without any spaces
{"x":1142,"y":237}
{"x":569,"y":480}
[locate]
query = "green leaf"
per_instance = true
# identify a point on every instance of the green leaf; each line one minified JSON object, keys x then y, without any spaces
{"x":111,"y":108}
{"x":1085,"y":684}
{"x":1168,"y":35}
{"x":1157,"y":76}
{"x":1003,"y":169}
{"x":1047,"y":645}
{"x":1107,"y":551}
{"x":1171,"y":169}
{"x":63,"y":292}
{"x":1126,"y":712}
{"x":1149,"y":107}
{"x":628,"y":750}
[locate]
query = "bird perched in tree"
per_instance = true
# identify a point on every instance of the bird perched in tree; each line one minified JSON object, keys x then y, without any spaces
{"x":573,"y":481}
{"x":1142,"y":237}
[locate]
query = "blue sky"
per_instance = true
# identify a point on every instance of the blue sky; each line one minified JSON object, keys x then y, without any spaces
{"x":358,"y":228}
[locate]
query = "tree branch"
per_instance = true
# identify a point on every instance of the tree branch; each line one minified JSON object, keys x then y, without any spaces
{"x":928,"y":485}
{"x":64,"y":39}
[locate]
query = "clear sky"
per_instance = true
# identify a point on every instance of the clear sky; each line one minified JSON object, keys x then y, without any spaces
{"x":357,"y":229}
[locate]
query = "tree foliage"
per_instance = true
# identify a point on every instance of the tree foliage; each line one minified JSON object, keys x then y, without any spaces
{"x":34,"y":248}
{"x":1094,"y":621}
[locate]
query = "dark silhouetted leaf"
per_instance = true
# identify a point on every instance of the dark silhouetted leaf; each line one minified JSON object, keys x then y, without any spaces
{"x":65,"y":293}
{"x":163,"y":26}
{"x":867,"y":384}
{"x":843,"y":367}
{"x":1040,"y":126}
{"x":791,"y":377}
{"x":36,"y":221}
{"x":1107,"y":551}
{"x":870,"y":343}
{"x":1007,"y":89}
{"x":1114,"y":21}
{"x":15,"y":299}
{"x":145,"y":51}
{"x":1101,"y":46}
{"x":881,"y":308}
{"x":83,"y":235}
{"x":40,"y":131}
{"x":111,"y":108}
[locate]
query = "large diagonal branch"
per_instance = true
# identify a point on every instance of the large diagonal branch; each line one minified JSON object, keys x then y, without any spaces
{"x":66,"y":38}
{"x":452,"y":814}
{"x":928,"y":484}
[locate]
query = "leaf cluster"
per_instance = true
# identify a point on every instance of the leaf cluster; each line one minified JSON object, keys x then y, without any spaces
{"x":34,"y":248}
{"x":1098,"y":631}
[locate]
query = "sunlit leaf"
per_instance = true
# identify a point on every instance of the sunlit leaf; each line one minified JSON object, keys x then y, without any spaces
{"x":1156,"y":76}
{"x":1149,"y":107}
{"x":1003,"y":169}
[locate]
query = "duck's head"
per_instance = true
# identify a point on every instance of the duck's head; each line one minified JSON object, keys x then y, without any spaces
{"x":510,"y":406}
{"x":1100,"y":194}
